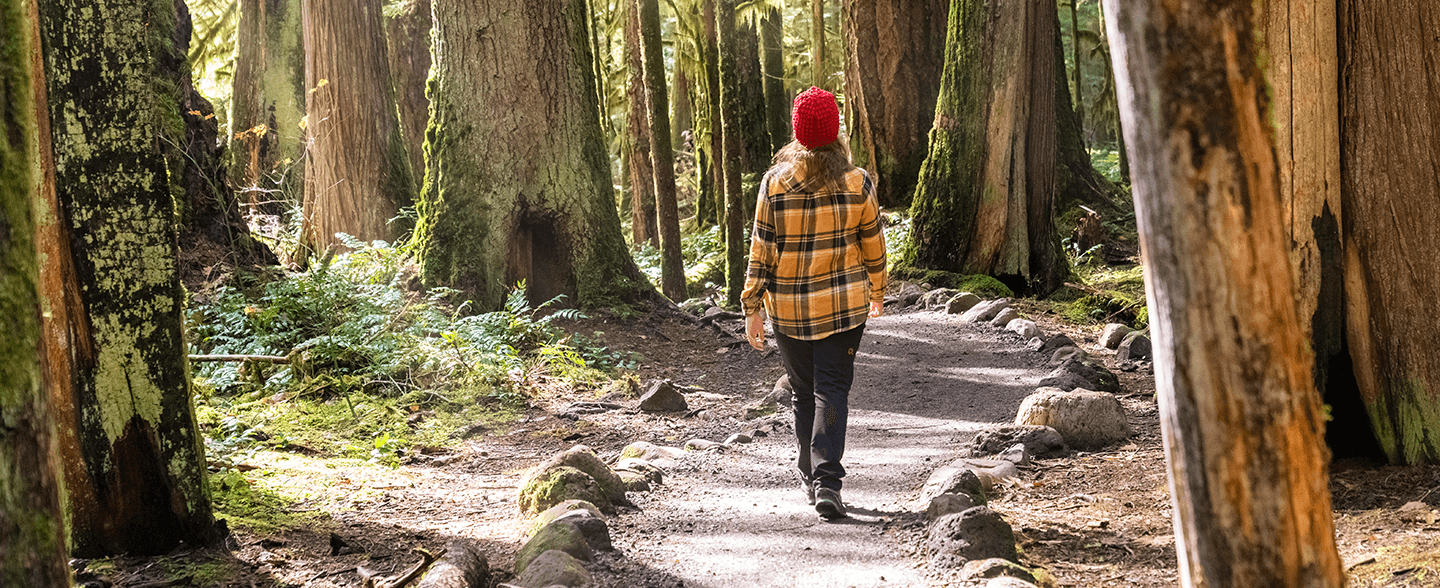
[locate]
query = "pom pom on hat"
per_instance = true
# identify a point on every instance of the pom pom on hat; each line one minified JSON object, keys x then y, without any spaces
{"x":816,"y":118}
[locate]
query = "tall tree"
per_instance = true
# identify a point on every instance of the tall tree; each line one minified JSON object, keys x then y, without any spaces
{"x":1079,"y":105}
{"x":750,"y":124}
{"x":819,"y":78}
{"x":359,"y":175}
{"x":672,"y":265}
{"x":1239,"y":411}
{"x":895,"y":57}
{"x":134,"y":463}
{"x":644,"y":220}
{"x":407,"y":37}
{"x":730,"y":162}
{"x":1077,"y":182}
{"x":267,"y":140}
{"x":518,"y":186}
{"x":984,"y":202}
{"x":772,"y":66}
{"x":711,"y":207}
{"x":32,"y":524}
{"x":1389,"y":148}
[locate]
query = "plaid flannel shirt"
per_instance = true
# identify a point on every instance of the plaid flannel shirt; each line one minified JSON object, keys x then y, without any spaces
{"x":817,"y":258}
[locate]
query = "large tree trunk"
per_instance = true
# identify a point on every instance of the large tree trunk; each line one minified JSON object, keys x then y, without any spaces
{"x":644,"y":222}
{"x":1389,"y":111}
{"x":1077,"y":182}
{"x":1239,"y":411}
{"x":772,"y":66}
{"x":267,"y":140}
{"x":407,"y":35}
{"x":817,"y":44}
{"x":520,"y":185}
{"x":731,"y":161}
{"x":682,"y":108}
{"x":750,"y":123}
{"x":711,"y":207}
{"x":32,"y":524}
{"x":895,"y":60}
{"x":359,"y":175}
{"x":672,"y":265}
{"x":213,"y":233}
{"x":984,"y":203}
{"x":134,"y":463}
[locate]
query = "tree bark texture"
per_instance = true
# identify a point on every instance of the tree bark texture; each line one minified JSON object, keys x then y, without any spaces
{"x":519,"y":184}
{"x":731,"y":161}
{"x":711,"y":209}
{"x":1390,"y":138}
{"x":672,"y":265}
{"x":1239,"y":411}
{"x":407,"y":36}
{"x":213,"y":231}
{"x":895,"y":60}
{"x":984,"y":203}
{"x":644,"y":220}
{"x":359,"y":175}
{"x":32,"y":524}
{"x":682,"y":109}
{"x":817,"y":43}
{"x":750,"y":122}
{"x":1077,"y":182}
{"x":772,"y":67}
{"x":1302,"y":70}
{"x":268,"y":91}
{"x":133,"y":459}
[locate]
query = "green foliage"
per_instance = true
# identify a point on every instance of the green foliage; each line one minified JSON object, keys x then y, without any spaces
{"x":250,"y":506}
{"x":1107,"y":162}
{"x":704,"y":256}
{"x":1112,"y":294}
{"x":212,"y":50}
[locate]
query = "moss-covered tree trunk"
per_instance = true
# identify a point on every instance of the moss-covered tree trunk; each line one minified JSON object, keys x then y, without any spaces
{"x":407,"y":37}
{"x":32,"y":524}
{"x":895,"y":57}
{"x":1390,"y":184}
{"x":731,"y":162}
{"x":818,"y":76}
{"x":518,"y":186}
{"x":984,"y":203}
{"x":672,"y":265}
{"x":133,"y":458}
{"x":1077,"y":182}
{"x":711,"y":209}
{"x":267,"y":141}
{"x":682,"y":108}
{"x":644,"y":221}
{"x":1238,"y":407}
{"x":772,"y":65}
{"x":750,"y":123}
{"x":359,"y":176}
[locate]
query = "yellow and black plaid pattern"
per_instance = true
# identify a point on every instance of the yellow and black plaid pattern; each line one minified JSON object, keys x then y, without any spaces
{"x":817,"y":257}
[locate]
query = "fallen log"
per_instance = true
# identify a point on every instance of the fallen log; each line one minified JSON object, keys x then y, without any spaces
{"x":462,"y":567}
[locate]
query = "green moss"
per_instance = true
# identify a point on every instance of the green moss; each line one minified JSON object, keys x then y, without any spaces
{"x":1404,"y":418}
{"x":255,"y":507}
{"x":978,"y":284}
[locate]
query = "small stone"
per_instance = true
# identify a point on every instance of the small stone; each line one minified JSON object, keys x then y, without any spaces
{"x":909,"y":294}
{"x":995,"y":568}
{"x":954,"y":478}
{"x":1016,"y":454}
{"x":1008,"y":582}
{"x":783,"y":394}
{"x":634,"y":464}
{"x":738,"y":438}
{"x":657,"y":455}
{"x":1113,"y":333}
{"x":1085,"y":418}
{"x":560,"y":510}
{"x":663,"y":397}
{"x":1035,"y":344}
{"x":634,"y":481}
{"x":949,"y":503}
{"x":1004,"y":318}
{"x":702,"y":445}
{"x":1415,"y":512}
{"x":1081,"y":373}
{"x":1038,"y":440}
{"x":1056,"y":342}
{"x":938,"y":297}
{"x":985,"y":311}
{"x":762,"y":407}
{"x":1135,"y":346}
{"x":1026,"y":329}
{"x":559,"y":535}
{"x":552,"y":568}
{"x":1066,"y":353}
{"x":977,"y":533}
{"x":961,"y":302}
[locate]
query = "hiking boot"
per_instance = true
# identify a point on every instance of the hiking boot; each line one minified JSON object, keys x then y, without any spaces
{"x":828,"y":504}
{"x":809,"y":488}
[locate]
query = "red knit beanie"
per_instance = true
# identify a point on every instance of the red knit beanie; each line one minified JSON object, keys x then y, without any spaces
{"x":816,"y":118}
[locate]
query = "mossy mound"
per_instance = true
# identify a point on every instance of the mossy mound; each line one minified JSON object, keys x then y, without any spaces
{"x":985,"y":286}
{"x":555,"y":481}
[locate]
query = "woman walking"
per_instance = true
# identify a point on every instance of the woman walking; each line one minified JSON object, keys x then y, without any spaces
{"x":817,"y":265}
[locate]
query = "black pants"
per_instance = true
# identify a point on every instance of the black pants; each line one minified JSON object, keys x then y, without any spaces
{"x":820,"y":373}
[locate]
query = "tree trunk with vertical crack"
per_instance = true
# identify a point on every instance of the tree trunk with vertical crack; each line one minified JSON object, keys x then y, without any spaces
{"x":407,"y":37}
{"x":359,"y":176}
{"x":1238,"y":407}
{"x":895,"y":60}
{"x":32,"y":522}
{"x":672,"y":265}
{"x":984,"y":203}
{"x":644,"y":223}
{"x":268,"y":90}
{"x":732,"y":160}
{"x":819,"y":78}
{"x":133,"y":458}
{"x":1390,"y":189}
{"x":772,"y":66}
{"x":519,"y":183}
{"x":711,"y":208}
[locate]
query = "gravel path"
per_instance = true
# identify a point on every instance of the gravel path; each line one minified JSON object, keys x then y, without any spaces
{"x":924,"y":384}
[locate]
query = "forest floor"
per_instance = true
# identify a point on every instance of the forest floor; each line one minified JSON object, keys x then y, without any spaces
{"x":924,"y":385}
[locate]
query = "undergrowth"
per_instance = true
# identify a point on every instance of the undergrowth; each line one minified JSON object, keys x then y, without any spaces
{"x":375,"y":365}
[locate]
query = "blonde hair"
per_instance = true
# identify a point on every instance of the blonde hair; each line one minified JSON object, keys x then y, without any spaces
{"x":823,"y":167}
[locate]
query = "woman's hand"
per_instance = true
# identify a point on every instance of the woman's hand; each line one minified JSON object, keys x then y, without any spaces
{"x":876,"y":308}
{"x":755,"y":330}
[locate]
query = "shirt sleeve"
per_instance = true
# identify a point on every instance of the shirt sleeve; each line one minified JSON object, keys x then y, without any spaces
{"x":872,"y":241}
{"x":761,"y":270}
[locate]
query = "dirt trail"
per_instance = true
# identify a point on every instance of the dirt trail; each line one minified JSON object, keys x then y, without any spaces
{"x":923,"y":385}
